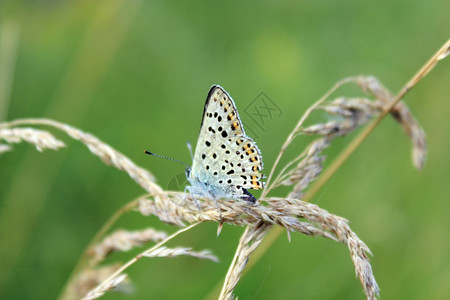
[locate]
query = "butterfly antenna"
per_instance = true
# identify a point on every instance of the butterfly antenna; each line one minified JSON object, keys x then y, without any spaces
{"x":189,"y":145}
{"x":168,"y":158}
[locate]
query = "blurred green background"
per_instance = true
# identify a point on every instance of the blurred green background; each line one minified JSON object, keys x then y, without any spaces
{"x":136,"y":74}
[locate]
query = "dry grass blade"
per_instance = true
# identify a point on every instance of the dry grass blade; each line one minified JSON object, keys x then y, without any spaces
{"x":439,"y":55}
{"x":39,"y":138}
{"x":248,"y":243}
{"x":348,"y":107}
{"x":109,"y":282}
{"x":353,"y":112}
{"x":83,"y":260}
{"x":292,"y":135}
{"x":444,"y":53}
{"x":342,"y":232}
{"x":107,"y":154}
{"x":90,"y":278}
{"x":123,"y":240}
{"x":174,"y":252}
{"x":233,"y":212}
{"x":290,"y":213}
{"x":110,"y":285}
{"x":401,"y":113}
{"x":5,"y":148}
{"x":307,"y":169}
{"x":416,"y":133}
{"x":287,"y":213}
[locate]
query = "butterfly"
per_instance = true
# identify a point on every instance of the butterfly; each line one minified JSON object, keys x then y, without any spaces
{"x":226,"y":162}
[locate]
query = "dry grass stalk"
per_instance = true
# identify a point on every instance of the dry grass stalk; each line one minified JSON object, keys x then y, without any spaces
{"x":110,"y":285}
{"x":94,"y":283}
{"x":91,"y":277}
{"x":13,"y":133}
{"x":113,"y":278}
{"x":248,"y":243}
{"x":311,"y":166}
{"x":402,"y":114}
{"x":106,"y":153}
{"x":286,"y":212}
{"x":39,"y":138}
{"x":443,"y":52}
{"x":123,"y":240}
{"x":5,"y":148}
{"x":353,"y":112}
{"x":174,"y":252}
{"x":236,"y":213}
{"x":167,"y":207}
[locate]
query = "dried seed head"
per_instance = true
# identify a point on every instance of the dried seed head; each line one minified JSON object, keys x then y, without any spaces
{"x":5,"y":148}
{"x":90,"y":278}
{"x":123,"y":240}
{"x":173,"y":252}
{"x":39,"y":138}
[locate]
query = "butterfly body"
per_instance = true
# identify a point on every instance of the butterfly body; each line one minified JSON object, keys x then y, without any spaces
{"x":226,"y":162}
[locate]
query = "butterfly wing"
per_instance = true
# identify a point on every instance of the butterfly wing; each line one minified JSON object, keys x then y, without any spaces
{"x":226,"y":160}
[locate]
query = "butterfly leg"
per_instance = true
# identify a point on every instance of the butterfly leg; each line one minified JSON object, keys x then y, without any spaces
{"x":190,"y":188}
{"x":182,"y":201}
{"x":218,"y":208}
